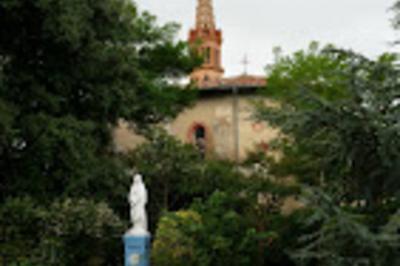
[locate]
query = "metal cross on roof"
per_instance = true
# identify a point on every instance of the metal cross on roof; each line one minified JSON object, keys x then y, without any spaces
{"x":245,"y":63}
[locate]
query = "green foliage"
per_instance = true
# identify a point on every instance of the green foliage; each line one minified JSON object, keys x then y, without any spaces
{"x":341,"y":237}
{"x":275,"y":208}
{"x":215,"y":233}
{"x":231,"y":226}
{"x":311,"y":70}
{"x":69,"y":70}
{"x":176,"y":174}
{"x":80,"y":230}
{"x":339,"y":122}
{"x":173,"y":245}
{"x":226,"y":229}
{"x":338,"y":113}
{"x":69,"y":232}
{"x":20,"y":220}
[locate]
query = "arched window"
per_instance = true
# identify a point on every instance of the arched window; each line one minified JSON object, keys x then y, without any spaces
{"x":199,"y":138}
{"x":199,"y":132}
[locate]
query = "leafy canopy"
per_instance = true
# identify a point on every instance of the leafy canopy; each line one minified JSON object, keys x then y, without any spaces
{"x":338,"y":112}
{"x":68,"y":72}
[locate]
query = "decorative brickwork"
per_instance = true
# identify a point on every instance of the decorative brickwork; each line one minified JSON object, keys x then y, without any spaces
{"x":207,"y":40}
{"x":205,"y":15}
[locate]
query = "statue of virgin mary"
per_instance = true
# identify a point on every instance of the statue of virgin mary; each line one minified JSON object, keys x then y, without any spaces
{"x":138,"y":200}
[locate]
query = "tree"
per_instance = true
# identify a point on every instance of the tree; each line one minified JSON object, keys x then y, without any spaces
{"x":69,"y":71}
{"x":338,"y":112}
{"x":68,"y":232}
{"x":340,"y":237}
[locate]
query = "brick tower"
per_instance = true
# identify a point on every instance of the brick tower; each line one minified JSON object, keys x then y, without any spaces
{"x":207,"y":40}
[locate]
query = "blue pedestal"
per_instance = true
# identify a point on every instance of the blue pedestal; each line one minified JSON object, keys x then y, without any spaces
{"x":137,"y":250}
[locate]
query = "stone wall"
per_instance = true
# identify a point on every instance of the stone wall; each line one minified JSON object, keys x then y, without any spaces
{"x":217,"y":115}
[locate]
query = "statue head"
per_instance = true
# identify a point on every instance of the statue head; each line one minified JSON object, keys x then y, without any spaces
{"x":137,"y":179}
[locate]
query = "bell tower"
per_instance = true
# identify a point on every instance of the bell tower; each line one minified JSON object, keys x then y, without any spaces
{"x":207,"y":40}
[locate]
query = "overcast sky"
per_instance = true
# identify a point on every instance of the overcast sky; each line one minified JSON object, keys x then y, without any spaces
{"x":254,"y":27}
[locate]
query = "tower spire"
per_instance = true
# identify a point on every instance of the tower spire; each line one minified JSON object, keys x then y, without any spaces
{"x":205,"y":15}
{"x":206,"y":39}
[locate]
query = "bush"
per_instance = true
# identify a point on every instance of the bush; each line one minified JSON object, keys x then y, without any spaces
{"x":219,"y":231}
{"x":173,"y":246}
{"x":69,"y":232}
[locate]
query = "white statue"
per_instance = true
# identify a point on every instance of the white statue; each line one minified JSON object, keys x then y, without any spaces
{"x":138,"y":200}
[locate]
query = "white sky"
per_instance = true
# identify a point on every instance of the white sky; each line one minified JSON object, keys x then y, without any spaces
{"x":254,"y":27}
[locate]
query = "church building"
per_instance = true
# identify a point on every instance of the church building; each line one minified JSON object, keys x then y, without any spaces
{"x":219,"y":124}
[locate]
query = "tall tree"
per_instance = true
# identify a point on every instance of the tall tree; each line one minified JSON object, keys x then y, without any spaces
{"x":68,"y":71}
{"x":338,"y":112}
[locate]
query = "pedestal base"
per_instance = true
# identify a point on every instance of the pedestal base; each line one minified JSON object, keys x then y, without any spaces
{"x":137,"y":250}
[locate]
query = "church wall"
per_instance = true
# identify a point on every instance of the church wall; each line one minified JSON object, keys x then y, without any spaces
{"x":216,"y":114}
